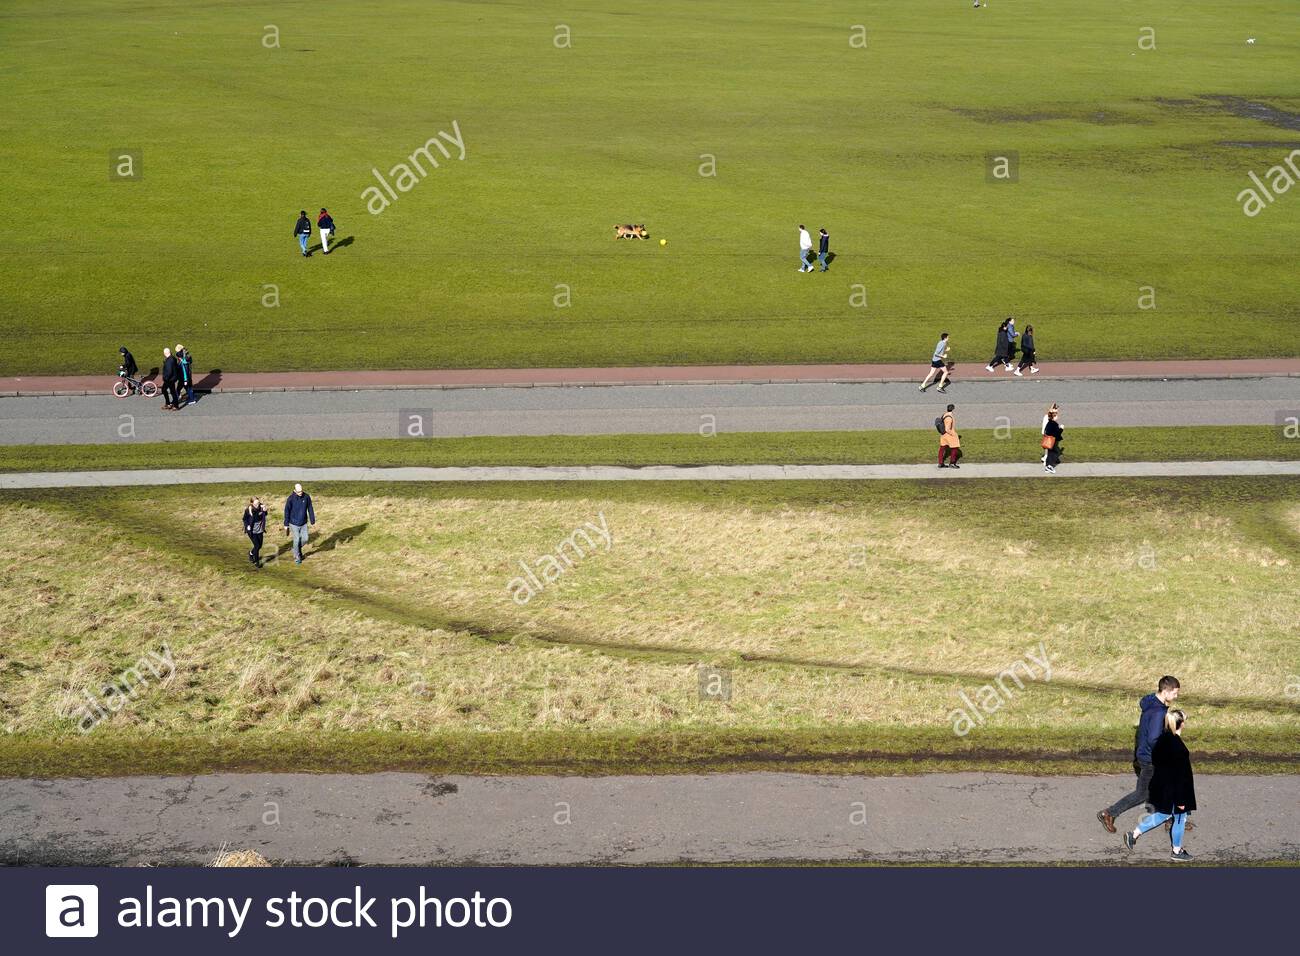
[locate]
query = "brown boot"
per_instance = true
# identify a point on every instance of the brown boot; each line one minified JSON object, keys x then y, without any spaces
{"x":1106,"y":820}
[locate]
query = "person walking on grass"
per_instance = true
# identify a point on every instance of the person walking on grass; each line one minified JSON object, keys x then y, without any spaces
{"x":186,"y":362}
{"x":298,"y":514}
{"x":302,"y":231}
{"x":1150,"y":726}
{"x":255,"y":528}
{"x":823,"y":249}
{"x":1028,"y":357}
{"x":805,"y":249}
{"x":949,"y":440}
{"x":1052,"y":434}
{"x":936,"y":361}
{"x":1002,"y":353}
{"x":325,"y":223}
{"x":171,"y":376}
{"x":1172,"y":794}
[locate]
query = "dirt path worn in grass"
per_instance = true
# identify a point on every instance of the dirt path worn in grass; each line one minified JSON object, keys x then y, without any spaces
{"x":413,"y":819}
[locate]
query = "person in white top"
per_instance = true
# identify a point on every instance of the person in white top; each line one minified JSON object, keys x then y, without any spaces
{"x":805,"y":248}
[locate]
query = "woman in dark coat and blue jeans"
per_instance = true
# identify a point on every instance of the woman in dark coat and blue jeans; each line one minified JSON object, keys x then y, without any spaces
{"x":1173,"y":791}
{"x":255,"y":528}
{"x":1052,"y":435}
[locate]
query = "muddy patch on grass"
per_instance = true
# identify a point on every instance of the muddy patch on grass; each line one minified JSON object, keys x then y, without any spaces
{"x":1241,"y":106}
{"x":1259,"y":144}
{"x":1095,"y":117}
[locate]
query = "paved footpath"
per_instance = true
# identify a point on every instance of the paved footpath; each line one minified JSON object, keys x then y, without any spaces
{"x":272,"y":474}
{"x":416,"y":820}
{"x":219,"y":381}
{"x":982,"y":403}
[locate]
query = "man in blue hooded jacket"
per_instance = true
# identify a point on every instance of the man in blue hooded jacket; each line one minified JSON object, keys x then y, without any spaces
{"x":298,"y":514}
{"x":1150,"y":726}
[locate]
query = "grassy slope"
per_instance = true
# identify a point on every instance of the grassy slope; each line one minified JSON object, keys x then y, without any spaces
{"x":1189,"y":443}
{"x":850,"y":614}
{"x":1121,"y":186}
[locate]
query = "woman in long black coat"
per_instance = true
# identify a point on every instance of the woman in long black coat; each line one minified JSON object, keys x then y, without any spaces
{"x":1002,"y":355}
{"x":1173,"y":793}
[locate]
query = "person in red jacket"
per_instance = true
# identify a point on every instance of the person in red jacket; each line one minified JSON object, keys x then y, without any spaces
{"x":325,"y":223}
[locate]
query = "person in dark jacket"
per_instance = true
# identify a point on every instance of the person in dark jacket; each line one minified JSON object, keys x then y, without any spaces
{"x":1150,"y":726}
{"x":128,"y":362}
{"x":1173,"y":790}
{"x":171,"y":375}
{"x":186,"y":362}
{"x":1054,"y":432}
{"x":1002,"y":353}
{"x":303,"y":232}
{"x":255,"y":528}
{"x":325,"y":222}
{"x":298,"y":513}
{"x":823,"y":249}
{"x":1028,"y":358}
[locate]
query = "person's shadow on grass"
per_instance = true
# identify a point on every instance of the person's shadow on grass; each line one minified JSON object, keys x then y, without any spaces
{"x":333,"y":245}
{"x":343,"y":536}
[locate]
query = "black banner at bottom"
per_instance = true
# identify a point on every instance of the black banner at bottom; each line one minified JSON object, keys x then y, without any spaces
{"x":650,"y":910}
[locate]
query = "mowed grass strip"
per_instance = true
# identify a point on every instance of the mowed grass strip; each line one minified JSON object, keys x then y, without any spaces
{"x":850,"y":618}
{"x":720,"y":126}
{"x":1188,"y":443}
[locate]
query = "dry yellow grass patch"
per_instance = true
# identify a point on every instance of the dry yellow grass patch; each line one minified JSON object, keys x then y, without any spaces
{"x":849,"y":614}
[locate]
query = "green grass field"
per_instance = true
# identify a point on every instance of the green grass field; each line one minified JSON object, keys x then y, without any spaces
{"x":1187,"y":443}
{"x":1131,"y":161}
{"x":850,"y":616}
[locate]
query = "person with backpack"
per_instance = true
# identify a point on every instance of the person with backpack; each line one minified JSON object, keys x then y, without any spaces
{"x":1173,"y":788}
{"x":302,"y":232}
{"x":1002,"y":351}
{"x":1052,"y":434}
{"x":325,"y":223}
{"x":255,"y":528}
{"x":949,"y":440}
{"x":1028,"y":357}
{"x":1150,"y":726}
{"x":186,"y":362}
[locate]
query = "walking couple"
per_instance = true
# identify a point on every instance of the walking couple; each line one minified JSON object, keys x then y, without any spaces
{"x":302,"y":230}
{"x":806,"y":248}
{"x":299,"y":515}
{"x":1005,"y":350}
{"x":177,"y":377}
{"x":1164,"y":773}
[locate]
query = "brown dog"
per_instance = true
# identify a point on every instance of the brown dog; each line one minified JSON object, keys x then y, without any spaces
{"x":630,"y":232}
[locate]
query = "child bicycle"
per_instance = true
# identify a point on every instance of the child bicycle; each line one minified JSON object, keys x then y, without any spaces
{"x":125,"y":385}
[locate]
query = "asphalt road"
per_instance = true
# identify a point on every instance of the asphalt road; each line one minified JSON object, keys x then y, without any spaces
{"x":415,"y":820}
{"x":643,"y":409}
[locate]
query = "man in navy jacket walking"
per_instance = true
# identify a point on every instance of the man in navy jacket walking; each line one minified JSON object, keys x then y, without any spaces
{"x":1150,"y":726}
{"x":298,"y":514}
{"x":302,"y":230}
